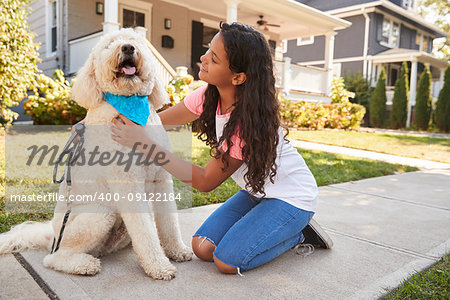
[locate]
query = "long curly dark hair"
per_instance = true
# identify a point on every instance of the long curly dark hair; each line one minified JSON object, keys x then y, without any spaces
{"x":255,"y":117}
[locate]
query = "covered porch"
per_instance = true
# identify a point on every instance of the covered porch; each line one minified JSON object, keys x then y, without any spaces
{"x":392,"y":59}
{"x":279,"y":21}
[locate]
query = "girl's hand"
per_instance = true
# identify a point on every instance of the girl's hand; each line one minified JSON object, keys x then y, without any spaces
{"x":127,"y":133}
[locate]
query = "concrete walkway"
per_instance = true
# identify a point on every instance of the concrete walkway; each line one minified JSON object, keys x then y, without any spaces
{"x":384,"y":229}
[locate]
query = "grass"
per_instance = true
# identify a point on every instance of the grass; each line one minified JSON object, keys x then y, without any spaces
{"x":429,"y":148}
{"x":327,"y":168}
{"x":433,"y":283}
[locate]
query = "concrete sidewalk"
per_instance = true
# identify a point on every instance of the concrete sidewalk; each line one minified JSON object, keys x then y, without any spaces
{"x":383,"y":229}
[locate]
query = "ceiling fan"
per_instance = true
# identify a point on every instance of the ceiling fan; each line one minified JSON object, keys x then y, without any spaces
{"x":262,"y":24}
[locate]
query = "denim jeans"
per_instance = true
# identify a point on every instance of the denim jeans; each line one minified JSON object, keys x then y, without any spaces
{"x":249,"y":231}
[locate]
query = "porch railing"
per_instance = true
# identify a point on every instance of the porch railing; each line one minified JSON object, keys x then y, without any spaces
{"x":80,"y":48}
{"x":300,"y":78}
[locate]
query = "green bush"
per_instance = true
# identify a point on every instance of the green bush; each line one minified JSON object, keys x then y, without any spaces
{"x":400,"y":102}
{"x":18,"y":57}
{"x":311,"y":115}
{"x":423,"y":101}
{"x":178,"y":88}
{"x":377,"y":105}
{"x":357,"y":84}
{"x":442,"y":113}
{"x":51,"y":103}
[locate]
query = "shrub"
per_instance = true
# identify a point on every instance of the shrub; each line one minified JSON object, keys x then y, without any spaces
{"x":377,"y":103}
{"x":442,"y":113}
{"x":178,"y":89}
{"x":338,"y":92}
{"x":423,"y":101}
{"x":18,"y":57}
{"x":400,"y":101}
{"x":311,"y":115}
{"x":357,"y":84}
{"x":51,"y":103}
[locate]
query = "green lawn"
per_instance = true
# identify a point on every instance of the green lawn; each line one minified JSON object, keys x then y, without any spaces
{"x":436,"y":149}
{"x":327,"y":168}
{"x":433,"y":283}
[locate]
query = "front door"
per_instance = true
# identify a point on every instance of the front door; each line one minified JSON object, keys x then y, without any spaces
{"x":135,"y":13}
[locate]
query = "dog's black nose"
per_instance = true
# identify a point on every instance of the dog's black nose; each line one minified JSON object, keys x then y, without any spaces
{"x":128,"y":49}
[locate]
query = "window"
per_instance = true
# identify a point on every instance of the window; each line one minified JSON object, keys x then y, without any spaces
{"x":52,"y":17}
{"x":424,"y":42}
{"x":133,"y":19}
{"x":390,"y":33}
{"x":408,"y":4}
{"x":305,"y":41}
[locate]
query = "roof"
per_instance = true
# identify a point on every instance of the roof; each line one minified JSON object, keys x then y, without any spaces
{"x":295,"y":19}
{"x":400,"y":54}
{"x":341,"y":7}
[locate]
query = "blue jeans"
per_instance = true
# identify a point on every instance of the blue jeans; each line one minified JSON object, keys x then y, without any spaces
{"x":249,"y":231}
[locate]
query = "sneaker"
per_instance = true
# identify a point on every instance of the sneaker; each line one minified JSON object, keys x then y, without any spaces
{"x":314,"y":234}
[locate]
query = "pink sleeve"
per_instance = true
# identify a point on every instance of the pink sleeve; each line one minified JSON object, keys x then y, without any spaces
{"x":194,"y":101}
{"x":236,"y":149}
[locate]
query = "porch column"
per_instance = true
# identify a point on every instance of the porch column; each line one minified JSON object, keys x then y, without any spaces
{"x":412,"y":89}
{"x":232,"y":10}
{"x":111,"y":21}
{"x":329,"y":53}
{"x":285,"y":77}
{"x":441,"y":79}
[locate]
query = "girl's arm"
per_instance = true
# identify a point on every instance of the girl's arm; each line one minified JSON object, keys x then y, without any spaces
{"x":176,"y":115}
{"x":202,"y":179}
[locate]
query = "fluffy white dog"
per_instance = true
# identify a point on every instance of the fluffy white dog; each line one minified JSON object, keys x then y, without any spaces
{"x":120,"y":64}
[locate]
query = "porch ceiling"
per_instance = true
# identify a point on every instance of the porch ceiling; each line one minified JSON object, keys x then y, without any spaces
{"x":400,"y":55}
{"x":295,"y":19}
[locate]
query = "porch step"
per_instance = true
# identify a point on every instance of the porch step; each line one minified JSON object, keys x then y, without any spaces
{"x":297,"y":95}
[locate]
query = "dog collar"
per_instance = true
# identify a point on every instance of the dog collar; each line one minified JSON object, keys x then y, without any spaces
{"x":135,"y":107}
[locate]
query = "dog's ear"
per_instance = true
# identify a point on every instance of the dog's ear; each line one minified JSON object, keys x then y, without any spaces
{"x":159,"y":97}
{"x":85,"y":90}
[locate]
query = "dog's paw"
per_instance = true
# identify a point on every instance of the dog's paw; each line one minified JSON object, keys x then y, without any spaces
{"x":90,"y":267}
{"x":75,"y":263}
{"x":161,"y":270}
{"x":181,"y":254}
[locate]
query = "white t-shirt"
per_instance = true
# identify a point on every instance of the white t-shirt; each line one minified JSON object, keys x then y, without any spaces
{"x":293,"y":183}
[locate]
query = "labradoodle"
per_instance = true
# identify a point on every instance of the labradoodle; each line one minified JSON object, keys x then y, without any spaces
{"x":120,"y":64}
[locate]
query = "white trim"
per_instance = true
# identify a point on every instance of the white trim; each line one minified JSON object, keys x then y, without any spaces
{"x":395,"y":8}
{"x":210,"y":23}
{"x":141,"y":7}
{"x":302,"y":41}
{"x":336,"y":60}
{"x":48,"y":28}
{"x":194,"y":8}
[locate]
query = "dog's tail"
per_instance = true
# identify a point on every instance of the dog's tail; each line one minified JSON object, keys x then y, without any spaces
{"x":28,"y":235}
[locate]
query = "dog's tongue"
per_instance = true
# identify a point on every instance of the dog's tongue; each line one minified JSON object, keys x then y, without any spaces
{"x":129,"y":70}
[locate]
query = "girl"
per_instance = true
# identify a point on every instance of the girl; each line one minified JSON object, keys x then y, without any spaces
{"x":238,"y":116}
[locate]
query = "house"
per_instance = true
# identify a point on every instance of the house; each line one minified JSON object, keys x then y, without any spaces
{"x":180,"y":30}
{"x":383,"y":34}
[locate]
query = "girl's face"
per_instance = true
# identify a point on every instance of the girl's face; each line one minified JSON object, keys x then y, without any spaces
{"x":215,"y":66}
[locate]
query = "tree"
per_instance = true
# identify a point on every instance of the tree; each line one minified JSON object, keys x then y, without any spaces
{"x":18,"y":56}
{"x":438,"y":10}
{"x":442,"y":113}
{"x":360,"y":86}
{"x":400,"y":101}
{"x":378,"y":102}
{"x":423,"y":101}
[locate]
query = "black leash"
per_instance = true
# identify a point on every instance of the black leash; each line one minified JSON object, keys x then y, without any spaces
{"x":73,"y":149}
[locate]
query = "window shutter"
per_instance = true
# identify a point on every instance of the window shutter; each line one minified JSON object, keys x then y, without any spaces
{"x":379,"y":25}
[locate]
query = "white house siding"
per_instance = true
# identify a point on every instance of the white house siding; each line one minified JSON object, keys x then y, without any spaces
{"x":37,"y":21}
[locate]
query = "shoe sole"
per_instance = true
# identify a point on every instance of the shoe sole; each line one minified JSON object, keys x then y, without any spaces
{"x":323,"y":238}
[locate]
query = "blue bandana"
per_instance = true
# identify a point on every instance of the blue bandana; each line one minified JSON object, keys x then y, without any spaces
{"x":135,"y":108}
